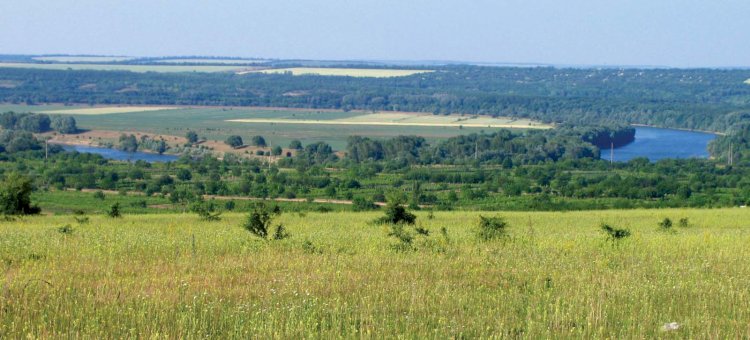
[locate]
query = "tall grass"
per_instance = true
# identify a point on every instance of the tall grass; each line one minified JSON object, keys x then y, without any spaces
{"x":554,"y":275}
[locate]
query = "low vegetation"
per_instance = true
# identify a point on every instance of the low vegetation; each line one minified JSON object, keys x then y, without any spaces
{"x":337,"y":275}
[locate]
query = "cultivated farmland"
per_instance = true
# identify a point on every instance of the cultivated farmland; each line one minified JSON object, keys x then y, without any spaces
{"x":409,"y":119}
{"x":83,"y":59}
{"x":131,"y":68}
{"x":279,"y":126}
{"x":555,"y":275}
{"x":348,"y":72}
{"x":211,"y":61}
{"x":108,"y":110}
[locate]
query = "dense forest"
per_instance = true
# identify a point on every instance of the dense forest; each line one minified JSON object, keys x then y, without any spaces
{"x":701,"y":99}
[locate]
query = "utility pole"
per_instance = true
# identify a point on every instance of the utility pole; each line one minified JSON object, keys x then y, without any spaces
{"x":612,"y":153}
{"x":731,"y":154}
{"x":476,"y":149}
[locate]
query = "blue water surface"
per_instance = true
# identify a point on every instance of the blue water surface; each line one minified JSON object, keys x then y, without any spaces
{"x":656,"y":144}
{"x":121,"y":155}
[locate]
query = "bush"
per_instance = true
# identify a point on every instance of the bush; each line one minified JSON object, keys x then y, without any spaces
{"x":665,"y":224}
{"x":114,"y":211}
{"x":491,"y":228}
{"x":206,"y":211}
{"x":363,"y":204}
{"x":15,"y":196}
{"x":260,"y":221}
{"x":395,"y":213}
{"x":614,"y":234}
{"x":99,"y":195}
{"x":65,"y":230}
{"x":684,"y":222}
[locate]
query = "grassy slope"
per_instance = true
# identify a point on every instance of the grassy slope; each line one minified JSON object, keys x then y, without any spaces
{"x":337,"y":275}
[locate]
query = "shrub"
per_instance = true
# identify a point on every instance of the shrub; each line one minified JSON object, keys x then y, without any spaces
{"x":395,"y":213}
{"x":15,"y":196}
{"x":206,"y":211}
{"x":684,"y":222}
{"x":114,"y":211}
{"x":665,"y":224}
{"x":260,"y":221}
{"x":614,"y":234}
{"x":491,"y":228}
{"x":65,"y":230}
{"x":363,"y":204}
{"x":99,"y":195}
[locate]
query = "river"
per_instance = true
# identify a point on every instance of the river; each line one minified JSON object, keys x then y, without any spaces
{"x":121,"y":155}
{"x":657,"y":143}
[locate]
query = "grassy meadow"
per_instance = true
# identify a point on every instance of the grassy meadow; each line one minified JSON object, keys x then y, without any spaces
{"x":338,"y":275}
{"x":345,"y":72}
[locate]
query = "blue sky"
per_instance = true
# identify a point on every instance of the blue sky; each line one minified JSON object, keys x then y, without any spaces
{"x":681,"y":33}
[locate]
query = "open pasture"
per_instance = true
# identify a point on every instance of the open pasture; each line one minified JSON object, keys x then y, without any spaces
{"x":345,"y":72}
{"x":130,"y":68}
{"x":555,"y":275}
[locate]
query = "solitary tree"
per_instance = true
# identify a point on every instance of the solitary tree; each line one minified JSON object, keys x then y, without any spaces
{"x":234,"y":141}
{"x":192,"y":137}
{"x":259,"y":141}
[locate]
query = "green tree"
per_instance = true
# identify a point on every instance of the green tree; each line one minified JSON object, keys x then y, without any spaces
{"x":15,"y":196}
{"x":259,"y":141}
{"x":234,"y":141}
{"x":64,"y":124}
{"x":192,"y":137}
{"x":128,"y":143}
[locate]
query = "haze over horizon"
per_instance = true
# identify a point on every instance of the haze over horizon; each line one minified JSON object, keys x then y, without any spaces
{"x":579,"y":32}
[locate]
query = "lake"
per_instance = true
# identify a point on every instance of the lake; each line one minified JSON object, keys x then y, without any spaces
{"x":656,"y":144}
{"x":121,"y":155}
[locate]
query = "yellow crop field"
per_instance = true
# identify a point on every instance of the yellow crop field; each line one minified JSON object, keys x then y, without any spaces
{"x":348,"y":72}
{"x":108,"y":110}
{"x":554,"y":275}
{"x":410,"y":119}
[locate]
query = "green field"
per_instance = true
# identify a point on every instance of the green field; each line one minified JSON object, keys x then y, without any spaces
{"x":131,"y":68}
{"x":349,"y":72}
{"x":215,"y":123}
{"x":338,"y":275}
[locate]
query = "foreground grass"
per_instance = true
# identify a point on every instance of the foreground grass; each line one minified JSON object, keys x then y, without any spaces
{"x":172,"y":275}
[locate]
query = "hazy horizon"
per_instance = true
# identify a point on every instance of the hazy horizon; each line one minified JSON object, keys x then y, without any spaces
{"x":669,"y":33}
